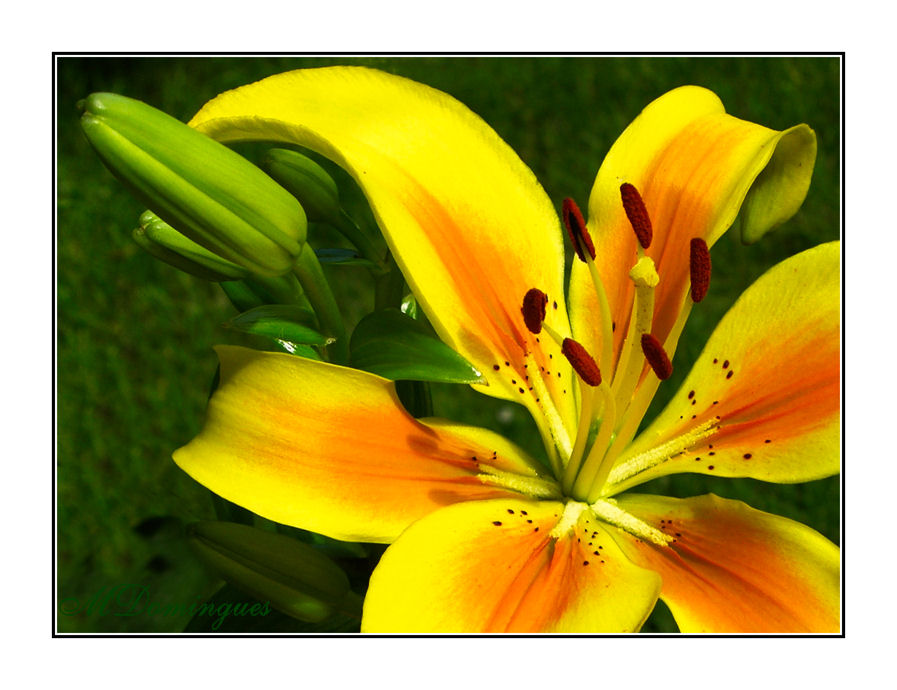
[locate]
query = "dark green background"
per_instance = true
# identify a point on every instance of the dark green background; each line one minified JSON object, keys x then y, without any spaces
{"x":134,"y":336}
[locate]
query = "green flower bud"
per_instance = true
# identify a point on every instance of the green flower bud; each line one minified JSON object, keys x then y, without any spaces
{"x":294,"y":577}
{"x":307,"y":181}
{"x":211,"y":194}
{"x":165,"y":243}
{"x":319,"y":196}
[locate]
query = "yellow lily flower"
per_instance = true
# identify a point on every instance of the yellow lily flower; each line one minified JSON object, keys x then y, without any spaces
{"x":483,"y":537}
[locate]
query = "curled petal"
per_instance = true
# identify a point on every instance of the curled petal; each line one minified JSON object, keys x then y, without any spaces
{"x":466,"y":220}
{"x":332,"y":450}
{"x":508,"y":566}
{"x":763,"y":399}
{"x":696,"y":168}
{"x":733,"y":569}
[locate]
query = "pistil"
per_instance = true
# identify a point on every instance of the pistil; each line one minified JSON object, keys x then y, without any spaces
{"x":619,"y":402}
{"x":579,"y":481}
{"x":645,"y":277}
{"x":638,"y":406}
{"x":630,"y":418}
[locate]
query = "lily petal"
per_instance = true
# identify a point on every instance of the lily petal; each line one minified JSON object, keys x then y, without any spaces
{"x":468,"y":223}
{"x":695,"y":167}
{"x":508,"y":566}
{"x":733,"y":569}
{"x":332,"y":450}
{"x":763,"y":399}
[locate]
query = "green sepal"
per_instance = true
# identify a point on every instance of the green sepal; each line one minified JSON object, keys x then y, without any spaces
{"x":397,"y":347}
{"x":294,"y":577}
{"x":162,"y":241}
{"x":209,"y":193}
{"x":287,"y":322}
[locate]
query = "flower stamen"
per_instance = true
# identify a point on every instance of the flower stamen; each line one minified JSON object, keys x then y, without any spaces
{"x":656,"y":356}
{"x":699,"y":266}
{"x":577,"y":230}
{"x":630,"y":367}
{"x":581,"y":361}
{"x":637,"y":214}
{"x":631,"y":466}
{"x":578,"y":479}
{"x":569,"y":519}
{"x":607,"y":510}
{"x":533,"y":310}
{"x":585,"y":251}
{"x":534,"y":487}
{"x":632,"y":416}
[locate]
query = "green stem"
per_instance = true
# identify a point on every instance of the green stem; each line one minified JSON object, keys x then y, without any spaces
{"x":308,"y":270}
{"x":389,"y":288}
{"x":362,"y":241}
{"x":415,"y":397}
{"x":284,"y":289}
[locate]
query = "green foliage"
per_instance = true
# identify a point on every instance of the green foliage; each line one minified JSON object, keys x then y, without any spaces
{"x":390,"y":344}
{"x":281,"y":322}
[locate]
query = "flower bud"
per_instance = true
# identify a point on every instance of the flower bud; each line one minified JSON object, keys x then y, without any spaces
{"x":166,"y":244}
{"x":307,"y":181}
{"x":211,"y":194}
{"x":294,"y":577}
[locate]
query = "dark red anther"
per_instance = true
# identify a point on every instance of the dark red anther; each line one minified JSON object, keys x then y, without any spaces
{"x":576,"y":229}
{"x":699,"y":263}
{"x":637,"y":214}
{"x":533,"y":309}
{"x":581,"y":361}
{"x":656,"y":356}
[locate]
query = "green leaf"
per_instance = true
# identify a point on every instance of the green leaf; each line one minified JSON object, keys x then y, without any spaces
{"x":397,"y":347}
{"x":281,"y":322}
{"x":344,"y":257}
{"x":409,"y":306}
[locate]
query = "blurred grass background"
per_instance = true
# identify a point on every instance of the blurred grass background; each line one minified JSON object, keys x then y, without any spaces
{"x":134,"y":337}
